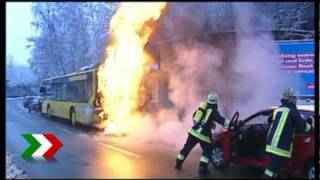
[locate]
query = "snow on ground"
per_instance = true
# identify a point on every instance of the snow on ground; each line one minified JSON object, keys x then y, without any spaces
{"x":16,"y":98}
{"x":13,"y":171}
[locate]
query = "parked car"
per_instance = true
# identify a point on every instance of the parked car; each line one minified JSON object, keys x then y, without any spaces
{"x":27,"y":100}
{"x":248,"y":139}
{"x":32,"y":103}
{"x":36,"y":104}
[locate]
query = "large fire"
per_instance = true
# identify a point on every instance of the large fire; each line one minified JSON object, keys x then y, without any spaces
{"x":120,"y":75}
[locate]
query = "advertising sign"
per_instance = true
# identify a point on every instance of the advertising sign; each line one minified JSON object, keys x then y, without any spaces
{"x":297,"y":58}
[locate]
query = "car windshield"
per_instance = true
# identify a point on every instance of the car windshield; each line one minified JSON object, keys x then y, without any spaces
{"x":261,"y":118}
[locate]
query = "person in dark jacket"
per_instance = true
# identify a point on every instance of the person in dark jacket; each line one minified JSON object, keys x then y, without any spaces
{"x":201,"y":133}
{"x":284,"y":121}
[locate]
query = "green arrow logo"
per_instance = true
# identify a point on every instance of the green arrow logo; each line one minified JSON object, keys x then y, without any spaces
{"x":34,"y":145}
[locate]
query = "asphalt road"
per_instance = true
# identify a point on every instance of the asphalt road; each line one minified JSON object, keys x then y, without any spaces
{"x":88,"y":153}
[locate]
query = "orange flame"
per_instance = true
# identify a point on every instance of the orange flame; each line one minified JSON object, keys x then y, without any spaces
{"x":120,"y":75}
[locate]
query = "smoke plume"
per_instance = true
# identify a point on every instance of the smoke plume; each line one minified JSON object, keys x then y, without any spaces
{"x":243,"y":68}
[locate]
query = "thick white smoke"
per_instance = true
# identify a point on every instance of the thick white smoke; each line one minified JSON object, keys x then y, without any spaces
{"x":246,"y":74}
{"x":258,"y":80}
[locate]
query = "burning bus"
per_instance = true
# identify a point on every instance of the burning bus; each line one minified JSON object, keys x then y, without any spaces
{"x":112,"y":92}
{"x":73,"y":96}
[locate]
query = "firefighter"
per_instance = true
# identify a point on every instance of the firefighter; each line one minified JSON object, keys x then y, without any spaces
{"x":201,"y":133}
{"x":284,"y":121}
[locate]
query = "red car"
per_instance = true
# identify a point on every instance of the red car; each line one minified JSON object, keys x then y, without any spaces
{"x":248,"y":139}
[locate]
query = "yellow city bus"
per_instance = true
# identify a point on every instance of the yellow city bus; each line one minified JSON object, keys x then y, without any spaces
{"x":73,"y":96}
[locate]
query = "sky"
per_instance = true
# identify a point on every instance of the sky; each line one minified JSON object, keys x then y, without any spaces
{"x":18,"y":28}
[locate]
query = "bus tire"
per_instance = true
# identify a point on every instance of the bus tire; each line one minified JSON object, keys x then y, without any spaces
{"x":49,"y":110}
{"x":73,"y":117}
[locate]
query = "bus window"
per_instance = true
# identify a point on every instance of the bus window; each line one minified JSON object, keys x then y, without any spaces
{"x":88,"y":87}
{"x":80,"y":90}
{"x":53,"y":88}
{"x":64,"y":91}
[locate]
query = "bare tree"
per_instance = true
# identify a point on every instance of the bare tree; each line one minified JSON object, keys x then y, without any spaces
{"x":291,"y":19}
{"x":18,"y":74}
{"x":71,"y":35}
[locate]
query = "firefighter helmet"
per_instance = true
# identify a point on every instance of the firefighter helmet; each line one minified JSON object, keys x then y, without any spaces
{"x":289,"y":94}
{"x":212,"y":98}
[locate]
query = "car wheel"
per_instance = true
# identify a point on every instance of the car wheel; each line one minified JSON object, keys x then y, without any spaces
{"x":309,"y":170}
{"x":73,"y":117}
{"x":217,"y":157}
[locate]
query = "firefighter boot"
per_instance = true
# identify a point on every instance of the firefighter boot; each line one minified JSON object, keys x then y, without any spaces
{"x":203,"y":170}
{"x":178,"y":164}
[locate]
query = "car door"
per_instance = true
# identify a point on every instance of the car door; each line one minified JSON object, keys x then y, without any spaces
{"x":253,"y":139}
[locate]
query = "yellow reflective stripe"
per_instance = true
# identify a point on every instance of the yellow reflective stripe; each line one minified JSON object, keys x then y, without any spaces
{"x":270,"y":129}
{"x":208,"y":112}
{"x":180,"y":157}
{"x":279,"y":151}
{"x":226,"y":122}
{"x":279,"y":129}
{"x":268,"y":172}
{"x":200,"y":136}
{"x":274,"y":114}
{"x":199,"y":130}
{"x":198,"y":116}
{"x":204,"y":159}
{"x":308,"y":127}
{"x":273,"y":118}
{"x":283,"y":121}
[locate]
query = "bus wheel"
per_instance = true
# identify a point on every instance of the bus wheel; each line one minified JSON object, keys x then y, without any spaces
{"x":49,"y":112}
{"x":73,"y":117}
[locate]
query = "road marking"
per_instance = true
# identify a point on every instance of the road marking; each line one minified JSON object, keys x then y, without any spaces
{"x":120,"y":150}
{"x":64,"y":130}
